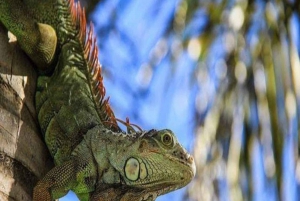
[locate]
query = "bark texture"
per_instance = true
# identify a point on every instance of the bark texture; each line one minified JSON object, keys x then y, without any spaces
{"x":24,"y":157}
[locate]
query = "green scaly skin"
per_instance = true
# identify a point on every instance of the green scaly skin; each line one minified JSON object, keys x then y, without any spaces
{"x":36,"y":39}
{"x":93,"y":158}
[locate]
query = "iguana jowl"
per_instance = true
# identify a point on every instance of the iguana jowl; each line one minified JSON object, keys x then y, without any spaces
{"x":93,"y":157}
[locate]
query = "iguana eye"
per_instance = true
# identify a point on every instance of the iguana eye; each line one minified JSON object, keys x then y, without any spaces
{"x":167,"y":139}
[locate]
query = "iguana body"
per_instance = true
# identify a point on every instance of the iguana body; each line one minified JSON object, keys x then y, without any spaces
{"x":93,"y":157}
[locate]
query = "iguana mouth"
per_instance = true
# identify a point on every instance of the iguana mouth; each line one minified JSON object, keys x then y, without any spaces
{"x":176,"y":180}
{"x":188,"y":161}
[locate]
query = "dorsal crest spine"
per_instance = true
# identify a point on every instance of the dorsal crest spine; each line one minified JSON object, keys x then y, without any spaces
{"x":93,"y":69}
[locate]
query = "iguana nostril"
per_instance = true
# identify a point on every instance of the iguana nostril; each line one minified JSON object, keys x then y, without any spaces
{"x":190,"y":159}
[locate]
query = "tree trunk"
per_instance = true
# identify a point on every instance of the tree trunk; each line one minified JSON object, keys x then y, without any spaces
{"x":24,"y":157}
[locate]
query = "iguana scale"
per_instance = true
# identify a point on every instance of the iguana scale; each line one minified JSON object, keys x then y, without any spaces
{"x":93,"y":156}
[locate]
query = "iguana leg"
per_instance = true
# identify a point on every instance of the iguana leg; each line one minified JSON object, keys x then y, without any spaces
{"x":36,"y":39}
{"x":71,"y":175}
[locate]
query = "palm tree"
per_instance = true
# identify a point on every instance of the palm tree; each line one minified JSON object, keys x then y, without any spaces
{"x":23,"y":156}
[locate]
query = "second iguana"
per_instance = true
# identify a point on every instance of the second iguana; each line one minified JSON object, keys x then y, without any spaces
{"x":93,"y":156}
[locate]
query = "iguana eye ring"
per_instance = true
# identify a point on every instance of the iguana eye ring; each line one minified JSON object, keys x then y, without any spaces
{"x":167,"y":139}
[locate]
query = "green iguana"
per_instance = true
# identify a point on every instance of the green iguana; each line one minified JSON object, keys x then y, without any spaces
{"x":93,"y":156}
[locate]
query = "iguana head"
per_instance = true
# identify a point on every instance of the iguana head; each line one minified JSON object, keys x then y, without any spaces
{"x":155,"y":161}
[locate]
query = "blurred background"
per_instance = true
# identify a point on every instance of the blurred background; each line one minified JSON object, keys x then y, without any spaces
{"x":224,"y":75}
